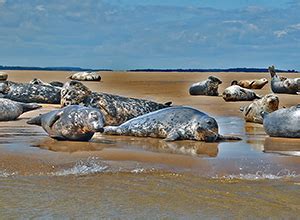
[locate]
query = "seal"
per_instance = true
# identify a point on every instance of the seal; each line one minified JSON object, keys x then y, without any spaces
{"x":283,"y":84}
{"x":174,"y":123}
{"x":251,"y":84}
{"x":3,"y":76}
{"x":36,"y":81}
{"x":237,"y":93}
{"x":11,"y":110}
{"x":85,"y":76}
{"x":115,"y":109}
{"x":252,"y":113}
{"x":74,"y":122}
{"x":26,"y":92}
{"x":283,"y":122}
{"x":207,"y":87}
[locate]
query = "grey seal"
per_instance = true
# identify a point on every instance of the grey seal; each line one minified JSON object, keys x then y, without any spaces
{"x":282,"y":84}
{"x":207,"y":87}
{"x":26,"y":92}
{"x":3,"y":76}
{"x":237,"y":93}
{"x":283,"y":122}
{"x":74,"y":122}
{"x":251,"y":84}
{"x":252,"y":112}
{"x":174,"y":123}
{"x":52,"y":83}
{"x":11,"y":110}
{"x":86,"y":76}
{"x":115,"y":109}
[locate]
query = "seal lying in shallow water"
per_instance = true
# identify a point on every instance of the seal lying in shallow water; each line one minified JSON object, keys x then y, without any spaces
{"x":86,"y":76}
{"x":26,"y":92}
{"x":207,"y":87}
{"x":251,"y":84}
{"x":115,"y":109}
{"x":252,"y":113}
{"x":11,"y":110}
{"x":40,"y":82}
{"x":174,"y":123}
{"x":237,"y":93}
{"x":284,"y":122}
{"x":283,"y":85}
{"x":75,"y":123}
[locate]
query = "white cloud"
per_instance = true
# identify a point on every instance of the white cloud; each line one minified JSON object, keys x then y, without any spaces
{"x":39,"y":7}
{"x":280,"y":34}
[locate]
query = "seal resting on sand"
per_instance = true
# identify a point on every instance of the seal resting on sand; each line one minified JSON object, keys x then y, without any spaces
{"x":252,"y":113}
{"x":174,"y":123}
{"x":40,"y":82}
{"x":237,"y":93}
{"x":74,"y":122}
{"x":251,"y":84}
{"x":26,"y":92}
{"x":207,"y":87}
{"x":11,"y":110}
{"x":115,"y":109}
{"x":86,"y":76}
{"x":284,"y":122}
{"x":282,"y":84}
{"x":3,"y":76}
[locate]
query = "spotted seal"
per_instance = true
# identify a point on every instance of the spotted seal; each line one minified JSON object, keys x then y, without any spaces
{"x":116,"y":109}
{"x":26,"y":92}
{"x":86,"y":76}
{"x":11,"y":110}
{"x":3,"y":76}
{"x":74,"y":122}
{"x":251,"y":84}
{"x":207,"y":87}
{"x":174,"y":123}
{"x":283,"y":122}
{"x":237,"y":93}
{"x":252,"y":113}
{"x":283,"y":85}
{"x":40,"y":82}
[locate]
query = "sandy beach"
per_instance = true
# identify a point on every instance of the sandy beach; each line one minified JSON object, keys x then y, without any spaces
{"x":258,"y":161}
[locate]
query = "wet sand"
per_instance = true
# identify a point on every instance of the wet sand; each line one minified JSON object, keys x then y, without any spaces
{"x":30,"y":159}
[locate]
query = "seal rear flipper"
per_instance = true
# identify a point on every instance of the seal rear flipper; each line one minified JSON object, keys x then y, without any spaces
{"x":228,"y":138}
{"x":30,"y":106}
{"x":168,"y":104}
{"x":35,"y":121}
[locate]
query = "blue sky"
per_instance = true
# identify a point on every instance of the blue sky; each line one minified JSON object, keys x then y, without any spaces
{"x":128,"y":34}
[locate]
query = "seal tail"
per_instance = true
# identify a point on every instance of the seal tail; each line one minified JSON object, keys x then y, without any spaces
{"x":30,"y":106}
{"x":228,"y":138}
{"x":35,"y":121}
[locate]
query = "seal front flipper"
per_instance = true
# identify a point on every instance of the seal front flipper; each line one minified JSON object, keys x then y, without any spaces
{"x":55,"y":118}
{"x":29,"y":106}
{"x":112,"y":130}
{"x":172,"y":136}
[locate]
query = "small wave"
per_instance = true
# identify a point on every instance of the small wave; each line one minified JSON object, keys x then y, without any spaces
{"x":260,"y":175}
{"x":6,"y":174}
{"x":83,"y":168}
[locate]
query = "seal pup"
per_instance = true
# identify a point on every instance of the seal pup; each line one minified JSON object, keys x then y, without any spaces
{"x":74,"y":122}
{"x":252,"y":113}
{"x":3,"y":76}
{"x":283,"y":122}
{"x":207,"y":87}
{"x":26,"y":92}
{"x":115,"y":109}
{"x":85,"y":76}
{"x":11,"y":110}
{"x":36,"y":81}
{"x":251,"y":84}
{"x":282,"y":84}
{"x":174,"y":123}
{"x":237,"y":93}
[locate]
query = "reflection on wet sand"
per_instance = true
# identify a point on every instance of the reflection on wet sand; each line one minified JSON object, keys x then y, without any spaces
{"x":285,"y":146}
{"x":99,"y":142}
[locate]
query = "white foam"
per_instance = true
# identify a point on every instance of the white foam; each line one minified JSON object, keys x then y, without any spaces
{"x":6,"y":174}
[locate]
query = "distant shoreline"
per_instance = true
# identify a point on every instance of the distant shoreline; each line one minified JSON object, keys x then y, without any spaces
{"x":244,"y":69}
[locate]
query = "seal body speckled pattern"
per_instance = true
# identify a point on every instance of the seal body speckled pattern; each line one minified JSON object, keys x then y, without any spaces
{"x":282,"y":84}
{"x":86,"y":76}
{"x":237,"y":93}
{"x":174,"y":123}
{"x":251,"y":84}
{"x":284,"y":122}
{"x":11,"y":110}
{"x":26,"y":92}
{"x":40,"y":82}
{"x":75,"y":123}
{"x":115,"y":109}
{"x":252,"y":113}
{"x":207,"y":87}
